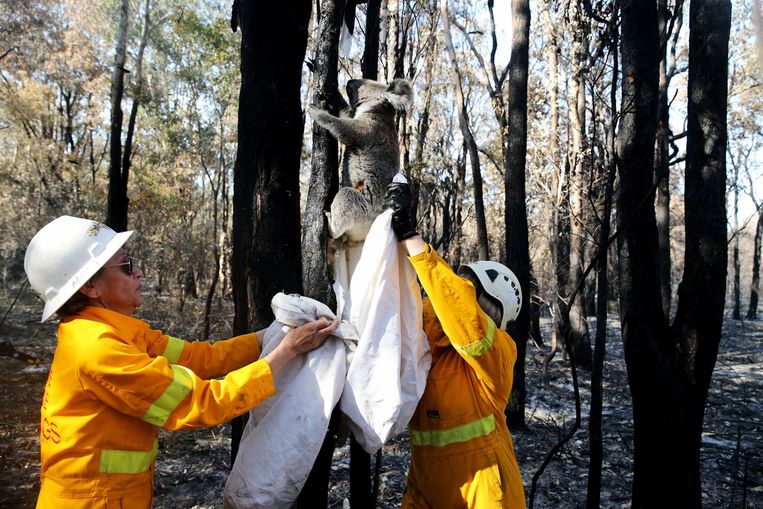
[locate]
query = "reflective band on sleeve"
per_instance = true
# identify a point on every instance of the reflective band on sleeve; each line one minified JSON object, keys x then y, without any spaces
{"x":126,"y":462}
{"x":441,"y":438}
{"x":160,"y":410}
{"x":483,"y":345}
{"x":173,"y":349}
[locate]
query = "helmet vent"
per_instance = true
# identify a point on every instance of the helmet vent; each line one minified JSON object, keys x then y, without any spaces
{"x":492,"y":274}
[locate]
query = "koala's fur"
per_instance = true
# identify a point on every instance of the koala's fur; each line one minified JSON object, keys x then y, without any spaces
{"x":367,"y":130}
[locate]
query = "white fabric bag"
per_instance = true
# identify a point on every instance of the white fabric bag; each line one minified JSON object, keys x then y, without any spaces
{"x":284,"y":433}
{"x":388,"y":373}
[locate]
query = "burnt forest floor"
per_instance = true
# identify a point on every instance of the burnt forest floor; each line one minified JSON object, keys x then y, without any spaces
{"x":192,"y":466}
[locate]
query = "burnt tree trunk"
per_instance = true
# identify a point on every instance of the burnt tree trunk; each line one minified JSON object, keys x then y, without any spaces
{"x":137,"y":97}
{"x":736,"y":310}
{"x":661,"y":160}
{"x":370,"y":63}
{"x":324,"y":183}
{"x":593,"y":496}
{"x":515,"y":211}
{"x":266,"y":254}
{"x":669,"y":368}
{"x":116,"y":209}
{"x":752,"y":309}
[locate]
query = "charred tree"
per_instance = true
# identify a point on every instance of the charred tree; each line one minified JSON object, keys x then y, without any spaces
{"x":116,"y":212}
{"x":266,"y":256}
{"x":370,"y":63}
{"x":667,"y":25}
{"x":752,"y":309}
{"x":669,"y":368}
{"x":515,"y":210}
{"x":593,"y":496}
{"x":324,"y":182}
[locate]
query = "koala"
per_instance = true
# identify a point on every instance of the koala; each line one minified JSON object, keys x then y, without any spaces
{"x":366,"y":127}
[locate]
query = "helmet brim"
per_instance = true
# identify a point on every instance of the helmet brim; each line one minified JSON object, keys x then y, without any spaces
{"x":82,"y":276}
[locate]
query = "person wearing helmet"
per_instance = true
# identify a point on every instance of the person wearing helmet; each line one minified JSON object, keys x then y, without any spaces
{"x":114,"y":381}
{"x":462,"y":453}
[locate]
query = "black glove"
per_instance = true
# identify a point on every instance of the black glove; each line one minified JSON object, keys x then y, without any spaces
{"x":399,"y":197}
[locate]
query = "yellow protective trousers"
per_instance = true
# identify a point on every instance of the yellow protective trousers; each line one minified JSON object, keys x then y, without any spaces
{"x":462,"y":454}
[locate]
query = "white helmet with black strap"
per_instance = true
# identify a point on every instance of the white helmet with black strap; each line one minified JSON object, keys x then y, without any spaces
{"x":65,"y":254}
{"x":500,"y":285}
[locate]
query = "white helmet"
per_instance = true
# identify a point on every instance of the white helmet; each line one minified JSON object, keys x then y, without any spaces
{"x":500,"y":285}
{"x":65,"y":254}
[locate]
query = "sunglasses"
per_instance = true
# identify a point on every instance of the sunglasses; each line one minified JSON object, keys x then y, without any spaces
{"x":129,"y":265}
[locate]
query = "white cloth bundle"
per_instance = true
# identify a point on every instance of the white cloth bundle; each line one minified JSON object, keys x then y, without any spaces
{"x":388,"y":373}
{"x":284,"y":433}
{"x":379,"y":392}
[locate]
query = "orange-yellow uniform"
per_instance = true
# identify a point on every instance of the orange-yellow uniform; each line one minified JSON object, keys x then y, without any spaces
{"x":112,"y":384}
{"x":462,"y":451}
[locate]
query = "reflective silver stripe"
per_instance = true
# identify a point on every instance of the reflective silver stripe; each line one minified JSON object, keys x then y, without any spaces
{"x":440,"y":438}
{"x":126,"y":462}
{"x":181,"y":385}
{"x":481,"y":346}
{"x":173,"y":349}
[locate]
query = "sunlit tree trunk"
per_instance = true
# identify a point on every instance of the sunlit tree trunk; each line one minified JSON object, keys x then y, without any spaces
{"x":577,"y":327}
{"x":466,"y":132}
{"x":559,"y":234}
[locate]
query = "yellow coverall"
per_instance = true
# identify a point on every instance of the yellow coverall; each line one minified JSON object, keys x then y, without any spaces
{"x":112,"y":384}
{"x":462,"y":454}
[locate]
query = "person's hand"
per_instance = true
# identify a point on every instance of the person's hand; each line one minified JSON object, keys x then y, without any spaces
{"x":400,"y":199}
{"x":309,"y":336}
{"x":300,"y":340}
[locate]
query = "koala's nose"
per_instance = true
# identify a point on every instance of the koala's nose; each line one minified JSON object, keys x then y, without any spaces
{"x":353,"y":85}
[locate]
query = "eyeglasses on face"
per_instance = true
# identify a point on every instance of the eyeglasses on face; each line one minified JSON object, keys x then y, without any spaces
{"x":129,"y":265}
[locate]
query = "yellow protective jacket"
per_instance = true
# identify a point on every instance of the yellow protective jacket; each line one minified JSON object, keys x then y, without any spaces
{"x":112,"y":384}
{"x":462,"y":454}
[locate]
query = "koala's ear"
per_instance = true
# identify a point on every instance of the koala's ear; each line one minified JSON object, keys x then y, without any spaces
{"x":399,"y":94}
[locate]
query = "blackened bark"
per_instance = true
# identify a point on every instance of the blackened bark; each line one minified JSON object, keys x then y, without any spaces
{"x":752,"y":309}
{"x":596,"y":456}
{"x":116,"y":209}
{"x":669,"y":369}
{"x":370,"y":63}
{"x":701,"y":295}
{"x":644,"y":327}
{"x":266,"y":254}
{"x":137,"y":95}
{"x":324,"y":182}
{"x":736,"y":312}
{"x":661,"y":168}
{"x":324,"y":177}
{"x":515,"y":211}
